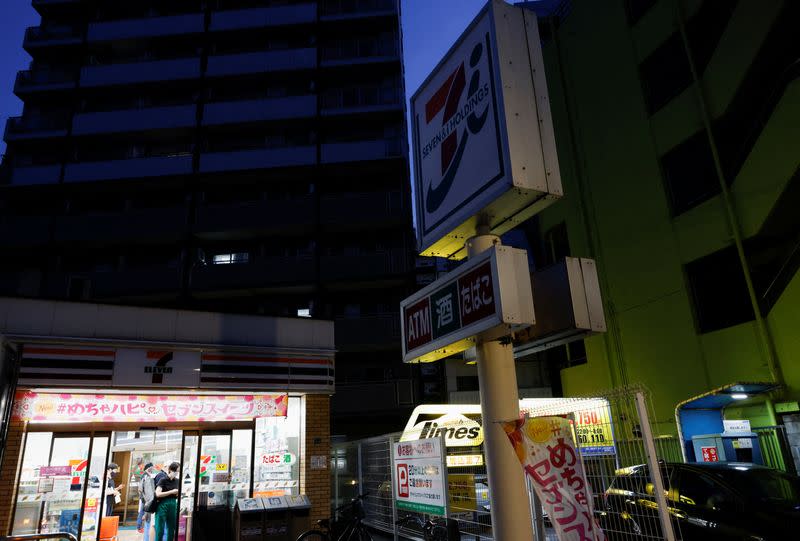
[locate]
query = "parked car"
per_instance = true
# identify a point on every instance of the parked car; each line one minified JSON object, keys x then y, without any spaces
{"x":708,"y":502}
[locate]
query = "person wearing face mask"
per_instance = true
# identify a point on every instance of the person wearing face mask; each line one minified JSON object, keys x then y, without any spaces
{"x":167,"y":495}
{"x":113,"y":494}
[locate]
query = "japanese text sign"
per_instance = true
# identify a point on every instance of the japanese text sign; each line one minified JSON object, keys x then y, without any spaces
{"x":419,"y":476}
{"x":88,"y":408}
{"x":461,"y":492}
{"x":710,"y":454}
{"x":546,"y":448}
{"x":491,"y":292}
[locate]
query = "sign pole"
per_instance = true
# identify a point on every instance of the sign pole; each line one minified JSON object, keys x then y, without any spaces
{"x":497,"y":380}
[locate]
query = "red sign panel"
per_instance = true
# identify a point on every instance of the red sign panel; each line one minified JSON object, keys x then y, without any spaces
{"x":417,"y":318}
{"x":710,"y":454}
{"x":476,"y":294}
{"x":402,"y":480}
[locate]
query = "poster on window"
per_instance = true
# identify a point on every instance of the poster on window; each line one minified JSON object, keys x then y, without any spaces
{"x":545,"y":446}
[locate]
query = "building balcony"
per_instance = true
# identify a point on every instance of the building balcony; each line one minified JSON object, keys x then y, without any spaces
{"x":29,"y":175}
{"x":363,"y":267}
{"x":361,"y":100}
{"x":263,"y":61}
{"x":23,"y":128}
{"x":381,"y":331}
{"x":139,"y":225}
{"x":380,"y":395}
{"x":160,"y":166}
{"x":358,"y":151}
{"x":37,"y":37}
{"x":266,"y":158}
{"x":235,"y":112}
{"x":135,"y":120}
{"x":141,"y":72}
{"x":28,"y":81}
{"x":151,"y":27}
{"x":263,"y":273}
{"x":243,"y":19}
{"x":361,"y":51}
{"x":255,"y":217}
{"x":46,"y":7}
{"x":352,"y":9}
{"x":24,"y":231}
{"x":361,"y":210}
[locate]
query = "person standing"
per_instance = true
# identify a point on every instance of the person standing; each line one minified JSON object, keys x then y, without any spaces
{"x":147,"y":492}
{"x":112,"y":489}
{"x":167,"y":495}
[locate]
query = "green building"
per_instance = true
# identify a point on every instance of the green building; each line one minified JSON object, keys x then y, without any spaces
{"x":677,"y":131}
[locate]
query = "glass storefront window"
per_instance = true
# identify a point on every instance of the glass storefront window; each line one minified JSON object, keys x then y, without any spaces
{"x":240,"y":462}
{"x":62,"y":505}
{"x":215,"y":471}
{"x":277,"y":451}
{"x":37,"y":456}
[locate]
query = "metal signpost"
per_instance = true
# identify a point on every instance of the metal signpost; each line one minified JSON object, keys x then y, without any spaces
{"x":485,"y":160}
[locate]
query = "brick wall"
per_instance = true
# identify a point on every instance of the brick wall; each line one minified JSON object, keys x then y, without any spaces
{"x":8,"y":474}
{"x":314,"y":482}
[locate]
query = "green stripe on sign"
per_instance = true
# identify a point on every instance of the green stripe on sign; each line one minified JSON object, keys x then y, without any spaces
{"x":421,"y":508}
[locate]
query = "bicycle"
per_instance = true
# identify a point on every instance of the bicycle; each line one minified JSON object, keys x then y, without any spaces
{"x":440,"y":529}
{"x":349,"y":529}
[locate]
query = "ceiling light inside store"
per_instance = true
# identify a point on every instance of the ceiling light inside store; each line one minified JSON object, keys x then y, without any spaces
{"x":739,"y":396}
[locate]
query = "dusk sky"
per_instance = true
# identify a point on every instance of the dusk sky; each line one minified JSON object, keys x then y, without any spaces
{"x":429,"y":29}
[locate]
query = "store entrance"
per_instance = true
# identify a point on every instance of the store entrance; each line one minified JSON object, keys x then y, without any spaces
{"x":65,"y":485}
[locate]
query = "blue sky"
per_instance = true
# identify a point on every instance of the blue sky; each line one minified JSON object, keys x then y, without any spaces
{"x":429,"y":29}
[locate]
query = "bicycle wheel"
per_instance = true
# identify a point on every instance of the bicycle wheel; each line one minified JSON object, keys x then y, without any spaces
{"x":363,"y":534}
{"x":313,"y":535}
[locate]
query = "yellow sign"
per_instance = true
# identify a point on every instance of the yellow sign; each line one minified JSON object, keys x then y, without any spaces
{"x":593,"y":431}
{"x":461,"y":492}
{"x":463,"y":461}
{"x":222,"y":467}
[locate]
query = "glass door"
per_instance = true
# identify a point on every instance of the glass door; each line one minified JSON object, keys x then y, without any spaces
{"x":94,"y":490}
{"x":188,"y":490}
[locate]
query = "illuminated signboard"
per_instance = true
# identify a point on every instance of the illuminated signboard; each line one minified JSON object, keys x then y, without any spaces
{"x":490,"y":293}
{"x":121,"y":408}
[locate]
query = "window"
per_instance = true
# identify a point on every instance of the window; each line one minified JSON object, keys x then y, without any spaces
{"x":689,"y":173}
{"x":700,"y":491}
{"x":304,"y":312}
{"x":665,"y":73}
{"x":229,"y":259}
{"x":719,"y":291}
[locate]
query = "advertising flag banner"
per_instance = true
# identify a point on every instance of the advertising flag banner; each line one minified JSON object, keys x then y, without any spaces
{"x":546,"y":449}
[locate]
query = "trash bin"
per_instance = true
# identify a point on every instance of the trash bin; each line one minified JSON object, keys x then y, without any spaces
{"x":248,"y":519}
{"x":299,"y":511}
{"x":276,"y":519}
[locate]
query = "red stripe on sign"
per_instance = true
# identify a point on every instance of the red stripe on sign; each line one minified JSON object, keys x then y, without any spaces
{"x":242,"y":358}
{"x":438,"y":100}
{"x":61,"y":351}
{"x":156,"y":354}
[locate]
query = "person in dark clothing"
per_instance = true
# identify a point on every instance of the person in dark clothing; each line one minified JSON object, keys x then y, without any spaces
{"x":167,"y":495}
{"x":112,"y":489}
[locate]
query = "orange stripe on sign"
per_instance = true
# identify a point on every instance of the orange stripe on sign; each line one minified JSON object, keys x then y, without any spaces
{"x":222,"y":357}
{"x":61,"y":351}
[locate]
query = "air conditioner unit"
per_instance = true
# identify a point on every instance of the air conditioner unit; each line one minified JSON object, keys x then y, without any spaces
{"x":567,"y":303}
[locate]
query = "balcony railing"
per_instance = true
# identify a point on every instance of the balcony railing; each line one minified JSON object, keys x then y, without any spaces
{"x":359,"y":151}
{"x":51,"y":35}
{"x":356,"y":7}
{"x":32,"y":80}
{"x":258,"y":17}
{"x":359,"y":210}
{"x":139,"y":224}
{"x":28,"y":127}
{"x":371,"y":266}
{"x":262,"y":273}
{"x":361,"y":98}
{"x":355,"y":49}
{"x":296,"y":214}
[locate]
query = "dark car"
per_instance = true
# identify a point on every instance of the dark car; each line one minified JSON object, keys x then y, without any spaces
{"x":707,"y":502}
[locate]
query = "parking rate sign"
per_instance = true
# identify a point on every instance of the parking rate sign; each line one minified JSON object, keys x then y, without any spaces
{"x":419,"y":476}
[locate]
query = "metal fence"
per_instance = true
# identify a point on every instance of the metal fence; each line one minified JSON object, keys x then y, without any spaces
{"x":619,"y":451}
{"x":775,"y":448}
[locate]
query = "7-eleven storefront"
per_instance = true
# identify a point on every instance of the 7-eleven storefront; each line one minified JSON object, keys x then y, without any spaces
{"x":242,"y":418}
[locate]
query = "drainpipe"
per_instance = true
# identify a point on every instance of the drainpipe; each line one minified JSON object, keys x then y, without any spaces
{"x":767,"y":345}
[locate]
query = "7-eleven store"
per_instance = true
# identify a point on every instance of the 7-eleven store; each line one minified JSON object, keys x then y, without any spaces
{"x":241,"y":402}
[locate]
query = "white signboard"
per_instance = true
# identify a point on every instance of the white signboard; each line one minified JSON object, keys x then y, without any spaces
{"x":491,"y":292}
{"x":156,"y":368}
{"x":483,"y":134}
{"x":419,"y":476}
{"x":737,"y":426}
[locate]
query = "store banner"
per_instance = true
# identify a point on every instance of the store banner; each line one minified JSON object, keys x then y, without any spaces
{"x":151,"y":368}
{"x":87,"y":408}
{"x":546,"y":448}
{"x":419,"y":476}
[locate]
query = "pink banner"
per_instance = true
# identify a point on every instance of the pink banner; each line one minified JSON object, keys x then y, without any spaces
{"x":546,"y":448}
{"x":90,"y":408}
{"x":47,"y":471}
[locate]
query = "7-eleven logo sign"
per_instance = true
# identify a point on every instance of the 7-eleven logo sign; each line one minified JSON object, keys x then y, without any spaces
{"x":78,"y":470}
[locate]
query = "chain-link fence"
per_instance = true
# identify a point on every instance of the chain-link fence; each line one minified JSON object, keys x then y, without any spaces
{"x":618,"y":448}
